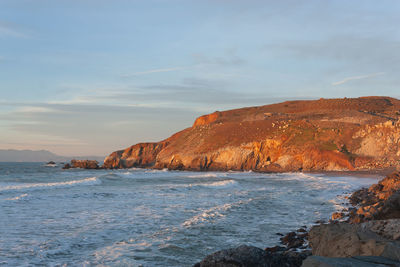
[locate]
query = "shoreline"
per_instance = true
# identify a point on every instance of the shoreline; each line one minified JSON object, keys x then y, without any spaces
{"x":366,"y":233}
{"x":381,"y":172}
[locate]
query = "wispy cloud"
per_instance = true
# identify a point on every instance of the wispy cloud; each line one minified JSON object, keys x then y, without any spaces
{"x":7,"y":29}
{"x":152,"y":71}
{"x":360,"y":77}
{"x":229,"y":59}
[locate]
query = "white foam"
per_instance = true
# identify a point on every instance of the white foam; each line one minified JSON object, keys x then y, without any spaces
{"x":219,"y":184}
{"x":213,"y":213}
{"x":17,"y":197}
{"x":216,"y":185}
{"x":27,"y":186}
{"x":207,"y":175}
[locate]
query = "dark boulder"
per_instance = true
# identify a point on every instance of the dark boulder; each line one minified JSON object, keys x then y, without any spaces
{"x":249,"y":256}
{"x":67,"y":166}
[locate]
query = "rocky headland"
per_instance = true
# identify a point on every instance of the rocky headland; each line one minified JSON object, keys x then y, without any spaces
{"x":350,"y":134}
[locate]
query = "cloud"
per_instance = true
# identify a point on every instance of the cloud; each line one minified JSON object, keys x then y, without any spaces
{"x":152,"y":71}
{"x":96,"y":129}
{"x":229,"y":59}
{"x":363,"y":52}
{"x":6,"y":29}
{"x":360,"y":77}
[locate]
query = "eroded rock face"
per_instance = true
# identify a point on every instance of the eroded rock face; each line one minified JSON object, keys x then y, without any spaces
{"x":140,"y":155}
{"x":318,"y":135}
{"x":374,"y":238}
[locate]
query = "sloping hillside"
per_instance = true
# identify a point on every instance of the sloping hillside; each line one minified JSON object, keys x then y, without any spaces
{"x":318,"y":135}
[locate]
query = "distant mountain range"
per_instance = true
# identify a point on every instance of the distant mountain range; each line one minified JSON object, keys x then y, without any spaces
{"x":12,"y":155}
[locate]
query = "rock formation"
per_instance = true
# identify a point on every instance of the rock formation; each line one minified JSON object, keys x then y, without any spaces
{"x":249,"y":256}
{"x":380,"y":201}
{"x":318,"y":135}
{"x":371,"y":234}
{"x":84,"y":164}
{"x":374,"y":238}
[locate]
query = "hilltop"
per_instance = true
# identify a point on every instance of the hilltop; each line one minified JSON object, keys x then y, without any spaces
{"x":312,"y":135}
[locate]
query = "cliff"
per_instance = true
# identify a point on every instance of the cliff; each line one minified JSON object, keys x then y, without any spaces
{"x":316,"y":135}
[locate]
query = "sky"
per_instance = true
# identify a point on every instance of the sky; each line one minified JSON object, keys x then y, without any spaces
{"x":88,"y":77}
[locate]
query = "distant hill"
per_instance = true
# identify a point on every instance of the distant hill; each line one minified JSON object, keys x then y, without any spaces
{"x":12,"y":155}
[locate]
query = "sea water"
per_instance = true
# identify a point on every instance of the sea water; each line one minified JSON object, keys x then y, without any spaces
{"x":141,"y":217}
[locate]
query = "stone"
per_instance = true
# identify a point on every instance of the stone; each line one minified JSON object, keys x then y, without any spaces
{"x":348,"y":240}
{"x":66,"y":166}
{"x":249,"y":256}
{"x":366,"y":261}
{"x":241,"y":256}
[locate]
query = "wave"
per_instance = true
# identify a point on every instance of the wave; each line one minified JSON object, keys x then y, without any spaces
{"x":26,"y":186}
{"x":215,"y":185}
{"x":213,"y":213}
{"x":207,"y":175}
{"x":219,"y":184}
{"x":17,"y":197}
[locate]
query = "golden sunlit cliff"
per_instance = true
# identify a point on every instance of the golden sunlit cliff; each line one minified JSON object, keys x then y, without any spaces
{"x":315,"y":135}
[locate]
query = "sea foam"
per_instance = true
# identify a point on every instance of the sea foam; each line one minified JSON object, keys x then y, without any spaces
{"x":33,"y":186}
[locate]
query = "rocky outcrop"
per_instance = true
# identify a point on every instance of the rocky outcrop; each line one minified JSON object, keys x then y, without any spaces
{"x":374,"y":238}
{"x":380,"y":201}
{"x":139,"y":155}
{"x":249,"y":256}
{"x":359,"y":261}
{"x":83,"y":164}
{"x":371,"y":234}
{"x":318,"y":135}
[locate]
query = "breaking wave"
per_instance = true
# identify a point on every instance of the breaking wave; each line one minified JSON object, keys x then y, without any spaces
{"x":213,"y":213}
{"x":27,"y":186}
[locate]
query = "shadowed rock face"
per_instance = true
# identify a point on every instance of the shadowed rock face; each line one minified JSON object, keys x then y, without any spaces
{"x":318,"y":135}
{"x":249,"y":256}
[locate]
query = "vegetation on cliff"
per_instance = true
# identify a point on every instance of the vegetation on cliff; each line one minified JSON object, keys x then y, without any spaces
{"x":316,"y":135}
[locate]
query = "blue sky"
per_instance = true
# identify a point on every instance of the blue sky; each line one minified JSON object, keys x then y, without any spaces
{"x":88,"y":77}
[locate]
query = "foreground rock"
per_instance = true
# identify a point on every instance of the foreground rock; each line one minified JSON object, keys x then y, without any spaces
{"x":374,"y":238}
{"x":83,"y":164}
{"x":361,"y":261}
{"x":249,"y":256}
{"x":318,"y":135}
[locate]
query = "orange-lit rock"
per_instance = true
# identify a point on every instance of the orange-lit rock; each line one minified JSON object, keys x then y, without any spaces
{"x":315,"y":135}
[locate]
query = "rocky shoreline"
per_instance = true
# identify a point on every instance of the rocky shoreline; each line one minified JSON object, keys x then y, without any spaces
{"x":366,"y":234}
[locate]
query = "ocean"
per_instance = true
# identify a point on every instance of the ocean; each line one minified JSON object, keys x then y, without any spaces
{"x":142,"y":217}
